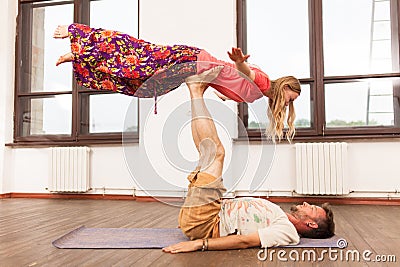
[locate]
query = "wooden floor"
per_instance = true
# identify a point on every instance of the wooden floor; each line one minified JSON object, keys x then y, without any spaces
{"x":28,"y":226}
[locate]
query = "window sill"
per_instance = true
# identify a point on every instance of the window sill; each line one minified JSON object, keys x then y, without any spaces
{"x":92,"y":142}
{"x":329,"y":138}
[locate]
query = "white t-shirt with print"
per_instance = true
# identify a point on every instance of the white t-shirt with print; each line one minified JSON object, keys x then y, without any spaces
{"x":248,"y":215}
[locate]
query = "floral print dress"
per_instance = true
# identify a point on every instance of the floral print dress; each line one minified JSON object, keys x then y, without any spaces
{"x":111,"y":60}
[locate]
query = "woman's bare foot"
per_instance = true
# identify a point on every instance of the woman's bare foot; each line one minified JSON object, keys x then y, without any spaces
{"x":65,"y":58}
{"x":61,"y":32}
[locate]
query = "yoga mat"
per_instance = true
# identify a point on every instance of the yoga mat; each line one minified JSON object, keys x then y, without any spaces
{"x":115,"y":238}
{"x":83,"y":237}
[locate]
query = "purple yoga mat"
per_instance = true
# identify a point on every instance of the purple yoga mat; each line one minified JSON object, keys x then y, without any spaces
{"x":117,"y":238}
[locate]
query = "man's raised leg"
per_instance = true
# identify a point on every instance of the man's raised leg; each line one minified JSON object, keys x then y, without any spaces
{"x":204,"y":132}
{"x":198,"y":217}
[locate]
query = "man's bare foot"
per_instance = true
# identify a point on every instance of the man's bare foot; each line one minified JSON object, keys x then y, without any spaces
{"x":197,"y":89}
{"x":206,"y":76}
{"x":61,"y":32}
{"x":65,"y":58}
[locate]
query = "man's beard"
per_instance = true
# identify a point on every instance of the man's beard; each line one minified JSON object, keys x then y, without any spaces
{"x":297,"y":213}
{"x":294,"y":209}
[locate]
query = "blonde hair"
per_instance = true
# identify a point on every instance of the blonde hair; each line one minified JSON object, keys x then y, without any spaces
{"x":277,"y":109}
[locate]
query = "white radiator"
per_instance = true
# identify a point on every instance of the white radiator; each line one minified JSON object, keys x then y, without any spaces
{"x":69,"y":169}
{"x":321,"y":168}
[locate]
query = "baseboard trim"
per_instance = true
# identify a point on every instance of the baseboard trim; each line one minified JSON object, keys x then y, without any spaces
{"x":316,"y":200}
{"x":337,"y":200}
{"x":71,"y":196}
{"x":7,"y":195}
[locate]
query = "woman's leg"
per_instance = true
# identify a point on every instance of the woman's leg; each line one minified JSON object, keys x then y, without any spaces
{"x":61,"y":32}
{"x":65,"y":58}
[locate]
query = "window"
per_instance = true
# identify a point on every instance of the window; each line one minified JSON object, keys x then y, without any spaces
{"x":348,"y":67}
{"x":50,"y":106}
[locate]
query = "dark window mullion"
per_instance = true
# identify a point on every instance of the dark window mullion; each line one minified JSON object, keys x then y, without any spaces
{"x":313,"y":72}
{"x":359,"y":131}
{"x":82,"y":11}
{"x":75,"y":111}
{"x":394,"y":17}
{"x":18,"y":63}
{"x":396,"y":104}
{"x":241,"y":25}
{"x":395,"y":26}
{"x":24,"y":64}
{"x":39,"y":94}
{"x":318,"y":68}
{"x":81,"y":15}
{"x":338,"y":79}
{"x":83,"y":114}
{"x":47,"y":4}
{"x":243,"y":119}
{"x":241,"y":34}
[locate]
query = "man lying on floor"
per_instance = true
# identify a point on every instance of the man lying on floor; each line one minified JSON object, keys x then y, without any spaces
{"x":215,"y":224}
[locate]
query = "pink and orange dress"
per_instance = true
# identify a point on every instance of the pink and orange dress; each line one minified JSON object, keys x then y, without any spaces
{"x":111,"y":60}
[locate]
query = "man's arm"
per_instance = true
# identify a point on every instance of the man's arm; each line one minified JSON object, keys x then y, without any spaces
{"x":240,"y":62}
{"x":219,"y":243}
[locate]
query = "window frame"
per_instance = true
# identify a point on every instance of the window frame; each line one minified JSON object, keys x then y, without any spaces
{"x":317,"y":80}
{"x":23,"y":54}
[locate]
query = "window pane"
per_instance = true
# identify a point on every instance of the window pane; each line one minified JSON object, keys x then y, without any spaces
{"x":45,"y":76}
{"x":257,"y":111}
{"x":302,"y":106}
{"x":108,"y":113}
{"x":44,"y":116}
{"x":360,"y":41}
{"x":125,"y":21}
{"x":277,"y":37}
{"x":366,"y":103}
{"x":258,"y":114}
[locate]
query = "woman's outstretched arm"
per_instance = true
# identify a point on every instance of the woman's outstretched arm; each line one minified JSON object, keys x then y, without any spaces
{"x":239,"y":58}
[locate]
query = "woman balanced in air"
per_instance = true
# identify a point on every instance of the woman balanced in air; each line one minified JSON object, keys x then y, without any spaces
{"x":111,"y":60}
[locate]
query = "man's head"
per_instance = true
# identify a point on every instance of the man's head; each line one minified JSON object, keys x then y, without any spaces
{"x":313,"y":221}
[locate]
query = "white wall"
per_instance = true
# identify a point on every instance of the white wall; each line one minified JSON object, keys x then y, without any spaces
{"x":119,"y":169}
{"x":8,"y":13}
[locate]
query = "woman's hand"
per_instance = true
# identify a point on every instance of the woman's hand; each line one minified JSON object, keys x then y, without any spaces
{"x":237,"y":55}
{"x":240,"y":64}
{"x":187,"y":246}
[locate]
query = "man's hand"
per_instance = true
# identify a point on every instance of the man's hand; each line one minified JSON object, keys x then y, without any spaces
{"x":187,"y":246}
{"x":237,"y":55}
